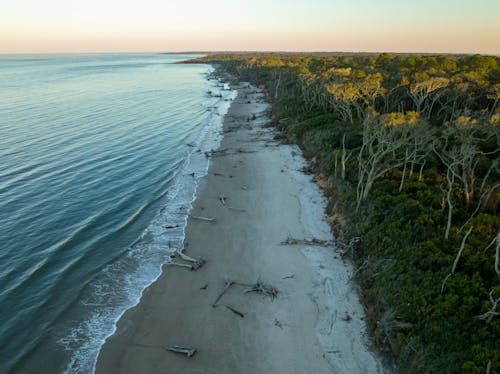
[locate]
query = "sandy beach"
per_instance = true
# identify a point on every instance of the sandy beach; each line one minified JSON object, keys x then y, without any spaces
{"x":309,"y":320}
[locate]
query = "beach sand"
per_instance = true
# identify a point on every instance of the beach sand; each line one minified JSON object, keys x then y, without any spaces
{"x":316,"y":322}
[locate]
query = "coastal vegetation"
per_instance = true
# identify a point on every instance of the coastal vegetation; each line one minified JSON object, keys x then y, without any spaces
{"x":408,"y":150}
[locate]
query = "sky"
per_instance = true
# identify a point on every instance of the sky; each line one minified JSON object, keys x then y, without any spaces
{"x":67,"y":26}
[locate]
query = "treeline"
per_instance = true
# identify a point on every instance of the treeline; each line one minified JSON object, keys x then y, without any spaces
{"x":410,"y":146}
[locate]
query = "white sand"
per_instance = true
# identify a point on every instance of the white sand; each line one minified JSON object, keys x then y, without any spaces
{"x":305,"y":329}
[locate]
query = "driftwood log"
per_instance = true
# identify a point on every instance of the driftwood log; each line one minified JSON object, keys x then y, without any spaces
{"x":207,"y":219}
{"x":314,"y":242}
{"x":188,"y":351}
{"x":228,"y":284}
{"x":237,"y":312}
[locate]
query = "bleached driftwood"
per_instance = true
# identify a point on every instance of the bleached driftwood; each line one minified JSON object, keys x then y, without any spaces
{"x":195,"y":263}
{"x":314,"y":241}
{"x":207,"y":219}
{"x":198,"y":264}
{"x":188,"y":351}
{"x":258,"y":287}
{"x":237,"y":312}
{"x":213,"y":153}
{"x":187,"y":266}
{"x":227,"y":285}
{"x":263,"y":289}
{"x":237,"y":209}
{"x":193,"y":266}
{"x":222,"y":199}
{"x":185,"y":257}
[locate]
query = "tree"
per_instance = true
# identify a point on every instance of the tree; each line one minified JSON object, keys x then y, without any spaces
{"x":494,"y":95}
{"x":460,"y":153}
{"x":383,"y":141}
{"x":425,"y":93}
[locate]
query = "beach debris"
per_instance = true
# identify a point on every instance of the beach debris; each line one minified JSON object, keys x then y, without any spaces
{"x":264,"y":289}
{"x":219,"y":175}
{"x":195,"y":263}
{"x":171,"y":226}
{"x":219,"y":152}
{"x":278,"y":323}
{"x":289,"y":276}
{"x":227,"y":285}
{"x":241,"y":150}
{"x":307,"y":170}
{"x":244,"y":188}
{"x":313,"y":241}
{"x":188,"y":351}
{"x":193,"y":266}
{"x":187,"y":266}
{"x":207,"y":219}
{"x":222,"y":199}
{"x":204,"y":287}
{"x":237,"y":312}
{"x":237,"y":209}
{"x":184,"y":256}
{"x":198,"y":264}
{"x":347,"y":317}
{"x":352,"y":246}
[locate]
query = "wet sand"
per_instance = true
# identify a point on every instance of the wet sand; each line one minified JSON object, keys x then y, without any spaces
{"x":314,"y":325}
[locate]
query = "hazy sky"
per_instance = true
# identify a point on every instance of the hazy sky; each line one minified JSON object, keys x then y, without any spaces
{"x":471,"y":26}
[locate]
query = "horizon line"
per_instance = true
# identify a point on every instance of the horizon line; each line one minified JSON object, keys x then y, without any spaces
{"x":254,"y":51}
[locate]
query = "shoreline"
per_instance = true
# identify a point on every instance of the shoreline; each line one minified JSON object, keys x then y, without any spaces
{"x":258,"y":198}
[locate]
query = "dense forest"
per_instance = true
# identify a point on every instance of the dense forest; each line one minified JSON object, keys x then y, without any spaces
{"x":408,"y":150}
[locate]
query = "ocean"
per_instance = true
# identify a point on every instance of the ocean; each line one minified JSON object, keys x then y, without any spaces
{"x":100,"y":158}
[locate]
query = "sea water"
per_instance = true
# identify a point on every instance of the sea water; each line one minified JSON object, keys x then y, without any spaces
{"x":100,"y":157}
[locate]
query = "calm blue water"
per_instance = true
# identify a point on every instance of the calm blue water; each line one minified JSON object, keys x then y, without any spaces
{"x":96,"y":157}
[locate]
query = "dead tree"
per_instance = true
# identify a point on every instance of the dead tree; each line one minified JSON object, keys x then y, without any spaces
{"x":490,"y":314}
{"x":457,"y":258}
{"x":495,"y":96}
{"x":460,"y":154}
{"x":407,"y":158}
{"x":448,"y":191}
{"x":424,"y":94}
{"x":379,"y":153}
{"x":497,"y":255}
{"x":370,"y":88}
{"x":343,"y":98}
{"x":345,"y":157}
{"x":311,"y":90}
{"x":422,"y":147}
